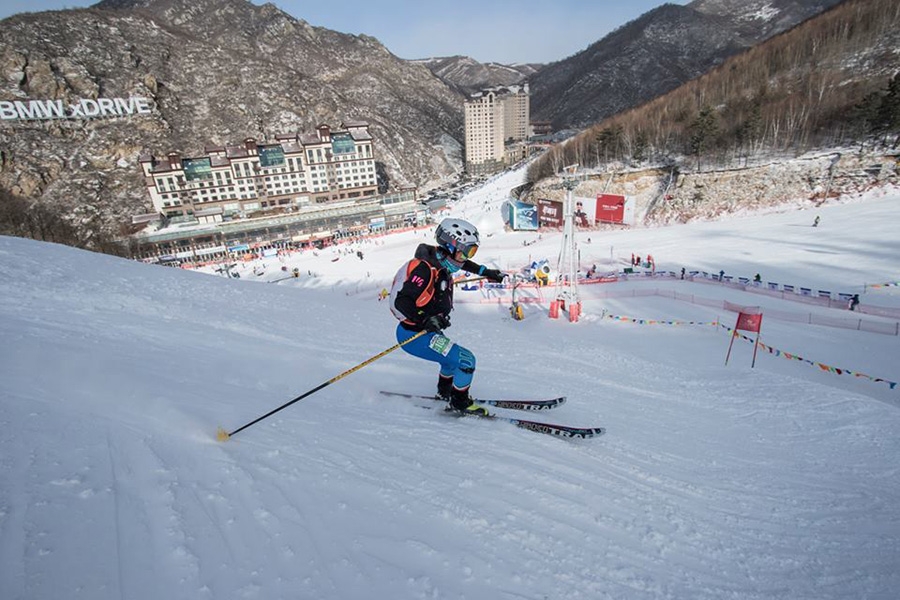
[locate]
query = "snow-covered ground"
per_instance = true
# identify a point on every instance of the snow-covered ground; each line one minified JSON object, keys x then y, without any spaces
{"x":779,"y":481}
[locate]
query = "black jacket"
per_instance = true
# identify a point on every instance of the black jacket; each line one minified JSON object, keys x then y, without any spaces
{"x":428,"y":288}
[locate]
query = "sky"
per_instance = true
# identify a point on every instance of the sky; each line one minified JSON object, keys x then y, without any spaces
{"x":711,"y":481}
{"x":503,"y":31}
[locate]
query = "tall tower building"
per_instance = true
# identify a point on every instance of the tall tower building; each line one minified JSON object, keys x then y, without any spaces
{"x":496,"y":123}
{"x":516,"y":113}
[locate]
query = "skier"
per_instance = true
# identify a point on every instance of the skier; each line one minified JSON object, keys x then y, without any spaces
{"x":816,"y":221}
{"x":854,"y":301}
{"x":422,"y":298}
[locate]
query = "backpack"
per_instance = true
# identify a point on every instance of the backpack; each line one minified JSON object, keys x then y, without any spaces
{"x":400,"y":278}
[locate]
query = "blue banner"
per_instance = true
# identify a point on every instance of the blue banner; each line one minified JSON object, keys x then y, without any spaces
{"x":523,"y":217}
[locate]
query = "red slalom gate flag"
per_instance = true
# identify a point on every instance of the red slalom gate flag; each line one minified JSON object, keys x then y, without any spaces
{"x":746,"y":322}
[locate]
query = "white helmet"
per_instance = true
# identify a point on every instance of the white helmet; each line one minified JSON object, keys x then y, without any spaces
{"x":459,"y":238}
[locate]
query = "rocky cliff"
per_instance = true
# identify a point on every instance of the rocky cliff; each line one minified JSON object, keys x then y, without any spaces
{"x":215,"y":72}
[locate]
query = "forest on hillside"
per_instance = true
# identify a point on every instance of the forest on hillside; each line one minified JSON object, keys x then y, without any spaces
{"x":832,"y":81}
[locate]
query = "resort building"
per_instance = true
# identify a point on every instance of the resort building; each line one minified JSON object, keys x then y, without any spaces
{"x":307,"y":189}
{"x":317,"y":225}
{"x":496,"y":128}
{"x":296,"y":170}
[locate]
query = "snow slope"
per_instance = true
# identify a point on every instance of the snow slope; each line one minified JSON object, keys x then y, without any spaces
{"x":712,"y":482}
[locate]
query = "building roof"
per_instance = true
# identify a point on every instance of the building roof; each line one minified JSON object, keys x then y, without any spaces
{"x":292,"y":147}
{"x":236,"y":152}
{"x":309,"y":139}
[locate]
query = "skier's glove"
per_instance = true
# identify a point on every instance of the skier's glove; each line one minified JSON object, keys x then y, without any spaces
{"x":437,"y":323}
{"x":494,"y":275}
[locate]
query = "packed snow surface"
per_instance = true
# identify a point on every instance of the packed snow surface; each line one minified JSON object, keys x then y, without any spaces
{"x":712,"y":481}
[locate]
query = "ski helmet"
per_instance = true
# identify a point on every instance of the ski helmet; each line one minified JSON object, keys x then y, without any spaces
{"x":458,"y":238}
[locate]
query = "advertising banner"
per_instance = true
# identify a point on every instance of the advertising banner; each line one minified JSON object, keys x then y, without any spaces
{"x":82,"y":108}
{"x":550,"y":213}
{"x":523,"y":217}
{"x":610,"y":208}
{"x":585,"y":212}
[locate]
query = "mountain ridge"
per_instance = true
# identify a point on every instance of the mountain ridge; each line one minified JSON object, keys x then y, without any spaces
{"x":655,"y":53}
{"x":222,"y":71}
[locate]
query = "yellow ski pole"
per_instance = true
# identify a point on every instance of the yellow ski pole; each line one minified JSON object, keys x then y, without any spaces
{"x":223,"y":435}
{"x":469,"y":280}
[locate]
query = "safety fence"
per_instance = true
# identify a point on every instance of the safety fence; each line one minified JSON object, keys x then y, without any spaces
{"x":772,"y":289}
{"x":494,"y":296}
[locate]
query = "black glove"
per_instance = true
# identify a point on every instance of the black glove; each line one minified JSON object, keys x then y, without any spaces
{"x":437,"y":323}
{"x":493,"y":275}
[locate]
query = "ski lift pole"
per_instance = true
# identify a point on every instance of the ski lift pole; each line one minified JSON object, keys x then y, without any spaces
{"x":223,"y":435}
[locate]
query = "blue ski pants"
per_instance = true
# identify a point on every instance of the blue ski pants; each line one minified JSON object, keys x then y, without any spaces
{"x":455,"y":361}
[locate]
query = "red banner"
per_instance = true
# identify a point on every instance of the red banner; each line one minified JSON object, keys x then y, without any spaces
{"x":747,"y":322}
{"x":610,"y":208}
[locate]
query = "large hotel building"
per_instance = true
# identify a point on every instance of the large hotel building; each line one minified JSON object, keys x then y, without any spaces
{"x":296,"y":170}
{"x":303,"y":187}
{"x":496,"y":128}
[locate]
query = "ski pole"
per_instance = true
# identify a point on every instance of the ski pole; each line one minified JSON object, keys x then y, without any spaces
{"x":223,"y":435}
{"x":469,"y":280}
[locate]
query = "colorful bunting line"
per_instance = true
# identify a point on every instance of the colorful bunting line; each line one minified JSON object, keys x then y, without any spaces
{"x":658,"y":321}
{"x":822,"y":366}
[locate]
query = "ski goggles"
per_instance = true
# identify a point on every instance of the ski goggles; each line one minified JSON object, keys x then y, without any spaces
{"x":465,"y":251}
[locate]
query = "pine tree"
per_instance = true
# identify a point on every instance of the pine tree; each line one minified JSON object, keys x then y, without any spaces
{"x":640,"y":147}
{"x":703,"y":131}
{"x":888,"y":117}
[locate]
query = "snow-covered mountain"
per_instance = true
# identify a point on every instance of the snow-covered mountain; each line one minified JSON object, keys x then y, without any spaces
{"x":655,"y":53}
{"x":468,"y":75}
{"x":712,"y":481}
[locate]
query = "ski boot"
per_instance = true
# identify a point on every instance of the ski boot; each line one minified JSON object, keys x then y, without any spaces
{"x":461,"y":402}
{"x":445,"y":387}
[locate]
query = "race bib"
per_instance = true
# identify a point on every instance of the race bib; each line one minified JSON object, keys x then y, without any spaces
{"x":441,"y":344}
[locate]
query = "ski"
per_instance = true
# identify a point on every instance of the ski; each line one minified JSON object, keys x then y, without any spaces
{"x":550,"y":428}
{"x":536,"y":426}
{"x":508,"y":404}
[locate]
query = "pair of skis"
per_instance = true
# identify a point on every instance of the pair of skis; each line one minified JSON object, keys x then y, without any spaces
{"x":523,"y":405}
